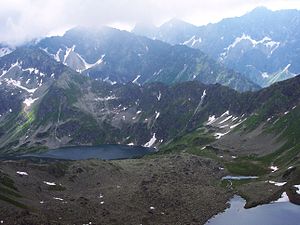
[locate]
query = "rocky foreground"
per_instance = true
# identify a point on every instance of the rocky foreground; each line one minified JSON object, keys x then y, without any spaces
{"x":173,"y":189}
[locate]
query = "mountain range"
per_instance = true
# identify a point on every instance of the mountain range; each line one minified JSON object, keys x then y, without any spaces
{"x":262,"y":44}
{"x":215,"y":108}
{"x":47,"y":104}
{"x":94,"y":86}
{"x":121,"y":57}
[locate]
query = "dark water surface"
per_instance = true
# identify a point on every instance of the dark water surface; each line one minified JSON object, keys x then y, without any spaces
{"x":279,"y":213}
{"x":106,"y":152}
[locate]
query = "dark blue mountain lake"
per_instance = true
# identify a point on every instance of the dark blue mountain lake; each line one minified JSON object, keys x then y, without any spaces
{"x":105,"y":152}
{"x":277,"y":213}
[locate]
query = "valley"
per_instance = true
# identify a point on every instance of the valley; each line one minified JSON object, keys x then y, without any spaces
{"x":170,"y":124}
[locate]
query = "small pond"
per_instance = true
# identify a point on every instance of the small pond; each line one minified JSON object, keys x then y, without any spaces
{"x":277,"y":213}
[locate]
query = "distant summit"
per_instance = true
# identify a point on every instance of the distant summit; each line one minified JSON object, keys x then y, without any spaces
{"x":263,"y":44}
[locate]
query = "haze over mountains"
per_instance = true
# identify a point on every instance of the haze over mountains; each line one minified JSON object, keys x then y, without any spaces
{"x":263,"y":44}
{"x":103,"y":82}
{"x":119,"y":56}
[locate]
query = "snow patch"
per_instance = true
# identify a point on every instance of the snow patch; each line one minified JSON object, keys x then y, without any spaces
{"x":298,"y":187}
{"x":157,"y":115}
{"x":17,"y":83}
{"x":202,"y":97}
{"x":235,"y":125}
{"x":284,"y":198}
{"x":211,"y":119}
{"x":5,"y":51}
{"x":31,"y":70}
{"x":49,"y":183}
{"x":109,"y":81}
{"x":29,"y":101}
{"x":68,"y":51}
{"x":226,"y":119}
{"x":157,"y":73}
{"x":265,"y":75}
{"x":266,"y":42}
{"x":151,"y":142}
{"x":225,"y":113}
{"x":56,"y":56}
{"x":101,"y":196}
{"x":219,"y":135}
{"x":193,"y":41}
{"x":274,"y":168}
{"x":278,"y":184}
{"x":88,"y":65}
{"x":286,"y":68}
{"x":136,"y":79}
{"x":22,"y":173}
{"x":200,"y":103}
{"x":16,"y":64}
{"x":159,"y":96}
{"x":107,"y":98}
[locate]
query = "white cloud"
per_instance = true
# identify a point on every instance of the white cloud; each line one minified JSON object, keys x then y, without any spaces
{"x":23,"y":20}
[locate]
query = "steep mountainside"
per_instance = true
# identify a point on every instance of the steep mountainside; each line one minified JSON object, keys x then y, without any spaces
{"x":77,"y":110}
{"x":46,"y":104}
{"x":26,"y":75}
{"x":120,"y":57}
{"x":4,"y":50}
{"x":262,"y":44}
{"x":265,"y":138}
{"x":73,"y":109}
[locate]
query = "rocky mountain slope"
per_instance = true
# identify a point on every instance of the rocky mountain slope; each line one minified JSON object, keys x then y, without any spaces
{"x":4,"y":50}
{"x":77,"y":110}
{"x":26,"y":76}
{"x":262,"y":44}
{"x":120,"y":57}
{"x":116,"y":192}
{"x":68,"y":108}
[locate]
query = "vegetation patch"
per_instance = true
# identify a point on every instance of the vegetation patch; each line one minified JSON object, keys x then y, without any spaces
{"x":12,"y":201}
{"x":6,"y":191}
{"x":56,"y":188}
{"x":192,"y":142}
{"x":7,"y":181}
{"x":246,"y":167}
{"x":204,"y":152}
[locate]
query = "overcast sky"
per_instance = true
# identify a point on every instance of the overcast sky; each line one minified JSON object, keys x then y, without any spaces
{"x":23,"y":20}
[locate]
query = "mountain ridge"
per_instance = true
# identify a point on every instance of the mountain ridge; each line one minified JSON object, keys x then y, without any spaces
{"x":261,"y":43}
{"x":119,"y":56}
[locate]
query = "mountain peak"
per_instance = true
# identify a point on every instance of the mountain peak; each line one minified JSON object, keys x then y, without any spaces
{"x":175,"y":22}
{"x":260,"y":10}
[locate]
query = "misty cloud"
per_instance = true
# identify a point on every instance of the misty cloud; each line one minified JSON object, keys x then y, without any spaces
{"x":23,"y":20}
